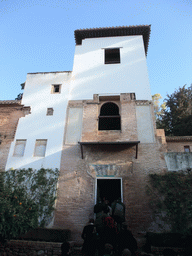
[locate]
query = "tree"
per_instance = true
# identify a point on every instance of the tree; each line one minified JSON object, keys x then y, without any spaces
{"x":26,"y":200}
{"x":158,"y":109}
{"x":176,"y":118}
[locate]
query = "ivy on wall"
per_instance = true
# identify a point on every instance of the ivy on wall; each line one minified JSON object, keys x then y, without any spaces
{"x":171,"y":199}
{"x":27,"y":199}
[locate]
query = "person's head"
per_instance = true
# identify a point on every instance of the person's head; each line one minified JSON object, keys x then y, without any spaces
{"x":105,"y":209}
{"x":65,"y":247}
{"x":91,"y":221}
{"x":126,"y":252}
{"x":108,"y":248}
{"x":168,"y":252}
{"x":119,"y":199}
{"x":124,"y":225}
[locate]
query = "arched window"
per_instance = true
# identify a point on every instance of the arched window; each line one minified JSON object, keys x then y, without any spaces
{"x":109,"y":118}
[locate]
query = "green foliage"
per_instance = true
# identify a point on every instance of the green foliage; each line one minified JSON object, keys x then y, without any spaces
{"x":171,"y":199}
{"x":158,"y":109}
{"x":176,"y":118}
{"x":26,"y":200}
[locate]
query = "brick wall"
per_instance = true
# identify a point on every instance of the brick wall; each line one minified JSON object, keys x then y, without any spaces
{"x":10,"y":112}
{"x":77,"y":186}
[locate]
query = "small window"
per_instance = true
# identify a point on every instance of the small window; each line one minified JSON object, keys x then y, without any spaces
{"x":186,"y":148}
{"x":112,"y":56}
{"x":40,"y":148}
{"x":56,"y":88}
{"x":19,"y":148}
{"x":49,"y":111}
{"x":109,"y":118}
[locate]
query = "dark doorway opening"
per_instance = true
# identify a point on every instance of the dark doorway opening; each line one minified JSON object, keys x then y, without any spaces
{"x":108,"y":188}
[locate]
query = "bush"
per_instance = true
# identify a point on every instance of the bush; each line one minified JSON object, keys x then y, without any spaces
{"x":171,"y":199}
{"x":27,"y":200}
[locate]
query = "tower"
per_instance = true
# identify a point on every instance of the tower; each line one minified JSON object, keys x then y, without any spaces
{"x":96,"y":124}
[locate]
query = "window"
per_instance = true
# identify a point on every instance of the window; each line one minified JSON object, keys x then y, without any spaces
{"x":56,"y":88}
{"x":186,"y":148}
{"x":109,"y":118}
{"x":49,"y":111}
{"x":40,"y":147}
{"x":112,"y":56}
{"x":19,"y":148}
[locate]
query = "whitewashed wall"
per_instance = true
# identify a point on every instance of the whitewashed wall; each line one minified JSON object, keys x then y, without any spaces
{"x":91,"y":76}
{"x":37,"y":125}
{"x":145,"y":127}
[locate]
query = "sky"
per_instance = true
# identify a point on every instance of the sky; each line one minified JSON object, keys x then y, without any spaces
{"x":38,"y":36}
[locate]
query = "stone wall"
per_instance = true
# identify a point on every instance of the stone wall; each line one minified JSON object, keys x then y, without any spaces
{"x":26,"y":248}
{"x":178,"y":146}
{"x":10,"y":112}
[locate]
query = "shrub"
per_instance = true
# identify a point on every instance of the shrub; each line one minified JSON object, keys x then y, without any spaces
{"x":171,"y":199}
{"x":27,"y":200}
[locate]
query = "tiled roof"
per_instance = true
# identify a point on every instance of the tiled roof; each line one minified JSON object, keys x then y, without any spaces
{"x":178,"y":138}
{"x":143,"y":30}
{"x":10,"y":102}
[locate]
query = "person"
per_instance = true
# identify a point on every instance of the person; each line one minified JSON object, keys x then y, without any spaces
{"x":109,"y":235}
{"x":126,"y":240}
{"x":89,"y":236}
{"x":106,"y":203}
{"x":98,"y":208}
{"x":65,"y":249}
{"x":118,"y":212}
{"x":108,"y":250}
{"x":126,"y":252}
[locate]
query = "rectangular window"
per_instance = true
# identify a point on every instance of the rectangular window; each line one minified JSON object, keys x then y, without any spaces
{"x":40,"y":148}
{"x":49,"y":111}
{"x":19,"y":148}
{"x":56,"y":88}
{"x":112,"y":56}
{"x":186,"y":149}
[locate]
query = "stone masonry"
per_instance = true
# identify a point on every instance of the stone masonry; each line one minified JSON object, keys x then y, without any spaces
{"x":10,"y":112}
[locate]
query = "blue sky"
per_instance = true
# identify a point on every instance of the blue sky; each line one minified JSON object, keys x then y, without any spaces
{"x":38,"y":36}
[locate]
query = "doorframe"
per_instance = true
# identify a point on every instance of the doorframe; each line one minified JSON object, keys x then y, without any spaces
{"x":107,"y":178}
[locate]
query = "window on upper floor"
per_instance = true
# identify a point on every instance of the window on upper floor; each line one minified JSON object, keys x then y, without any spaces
{"x":186,"y":148}
{"x":112,"y":56}
{"x":19,"y":148}
{"x":109,"y":118}
{"x":49,"y":111}
{"x":56,"y":88}
{"x":40,"y":148}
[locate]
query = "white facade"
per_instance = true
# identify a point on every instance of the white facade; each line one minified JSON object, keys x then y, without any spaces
{"x":40,"y":126}
{"x":90,"y":76}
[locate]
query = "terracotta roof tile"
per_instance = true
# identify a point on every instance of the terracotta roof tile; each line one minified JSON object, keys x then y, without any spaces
{"x":143,"y":30}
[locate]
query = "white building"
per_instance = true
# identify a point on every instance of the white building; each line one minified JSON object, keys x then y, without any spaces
{"x":107,"y":61}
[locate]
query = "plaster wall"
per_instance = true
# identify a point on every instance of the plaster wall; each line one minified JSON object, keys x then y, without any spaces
{"x":145,"y":123}
{"x":91,"y":75}
{"x":177,"y":161}
{"x":38,"y":125}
